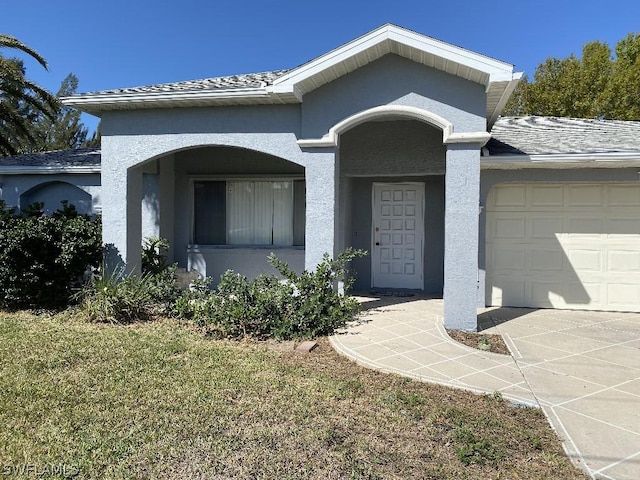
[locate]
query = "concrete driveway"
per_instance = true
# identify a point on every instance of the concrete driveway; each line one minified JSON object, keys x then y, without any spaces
{"x":581,"y":368}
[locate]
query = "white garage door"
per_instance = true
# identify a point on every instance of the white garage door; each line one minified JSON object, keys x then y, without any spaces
{"x":573,"y":246}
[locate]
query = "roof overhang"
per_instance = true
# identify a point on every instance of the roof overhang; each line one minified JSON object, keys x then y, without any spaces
{"x":496,"y":76}
{"x":95,"y":104}
{"x":47,"y":169}
{"x":562,"y":161}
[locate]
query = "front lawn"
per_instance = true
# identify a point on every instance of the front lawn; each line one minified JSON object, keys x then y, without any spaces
{"x":158,"y":400}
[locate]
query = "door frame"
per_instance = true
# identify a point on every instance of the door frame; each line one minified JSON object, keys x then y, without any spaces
{"x":421,"y":216}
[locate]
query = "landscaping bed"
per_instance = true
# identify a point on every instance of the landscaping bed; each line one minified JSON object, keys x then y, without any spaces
{"x":480,"y":341}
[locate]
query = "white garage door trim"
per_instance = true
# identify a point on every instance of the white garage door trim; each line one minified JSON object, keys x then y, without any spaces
{"x":574,"y":246}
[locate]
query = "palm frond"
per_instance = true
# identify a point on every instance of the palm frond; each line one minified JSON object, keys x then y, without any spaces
{"x":7,"y":41}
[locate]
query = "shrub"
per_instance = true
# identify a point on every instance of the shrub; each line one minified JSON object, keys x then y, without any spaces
{"x":111,"y":298}
{"x":43,"y":258}
{"x":300,"y":306}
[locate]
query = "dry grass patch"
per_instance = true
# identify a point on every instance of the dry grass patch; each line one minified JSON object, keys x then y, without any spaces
{"x":158,"y":401}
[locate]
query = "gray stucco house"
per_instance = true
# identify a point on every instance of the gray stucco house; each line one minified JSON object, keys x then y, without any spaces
{"x":391,"y":143}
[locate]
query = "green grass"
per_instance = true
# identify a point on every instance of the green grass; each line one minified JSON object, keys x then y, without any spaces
{"x":156,"y":400}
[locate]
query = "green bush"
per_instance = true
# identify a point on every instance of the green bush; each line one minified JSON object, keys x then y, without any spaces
{"x":300,"y":306}
{"x":112,"y":298}
{"x":43,"y":258}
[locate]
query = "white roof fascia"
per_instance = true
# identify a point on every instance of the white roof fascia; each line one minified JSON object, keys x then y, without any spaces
{"x":513,"y":80}
{"x":560,"y":160}
{"x":47,"y":169}
{"x":160,"y":97}
{"x":452,"y":53}
{"x":285,"y":89}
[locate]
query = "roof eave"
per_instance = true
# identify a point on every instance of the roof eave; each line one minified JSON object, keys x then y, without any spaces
{"x":561,"y":160}
{"x":48,"y":169}
{"x":103,"y":102}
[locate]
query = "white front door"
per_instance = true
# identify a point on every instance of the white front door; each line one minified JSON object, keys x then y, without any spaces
{"x":398,"y":233}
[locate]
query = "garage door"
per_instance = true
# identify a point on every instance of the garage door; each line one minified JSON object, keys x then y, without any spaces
{"x":573,"y":246}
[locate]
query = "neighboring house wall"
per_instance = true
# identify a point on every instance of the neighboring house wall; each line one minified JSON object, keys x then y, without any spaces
{"x":21,"y":190}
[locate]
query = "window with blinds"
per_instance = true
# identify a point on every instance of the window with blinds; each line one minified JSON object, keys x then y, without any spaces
{"x":249,"y":212}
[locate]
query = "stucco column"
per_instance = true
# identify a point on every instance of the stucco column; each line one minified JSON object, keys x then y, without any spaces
{"x":121,"y":214}
{"x":321,"y":205}
{"x":462,"y":191}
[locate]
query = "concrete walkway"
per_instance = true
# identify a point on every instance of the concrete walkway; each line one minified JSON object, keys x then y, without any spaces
{"x":581,"y":368}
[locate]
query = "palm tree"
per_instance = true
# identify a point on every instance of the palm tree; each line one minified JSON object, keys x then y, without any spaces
{"x":22,"y":102}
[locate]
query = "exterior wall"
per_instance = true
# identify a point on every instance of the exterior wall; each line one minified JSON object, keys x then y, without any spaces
{"x":250,"y":262}
{"x":12,"y":187}
{"x":489,"y":178}
{"x":136,"y":137}
{"x":395,"y":80}
{"x":399,"y":147}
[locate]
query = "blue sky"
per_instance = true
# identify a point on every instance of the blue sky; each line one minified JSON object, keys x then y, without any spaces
{"x":117,"y":43}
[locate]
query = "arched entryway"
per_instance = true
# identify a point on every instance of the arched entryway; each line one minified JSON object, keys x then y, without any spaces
{"x":224,"y":207}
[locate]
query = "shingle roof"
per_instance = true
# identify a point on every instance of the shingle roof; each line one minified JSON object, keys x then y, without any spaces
{"x":250,"y":80}
{"x":82,"y":157}
{"x":534,"y":135}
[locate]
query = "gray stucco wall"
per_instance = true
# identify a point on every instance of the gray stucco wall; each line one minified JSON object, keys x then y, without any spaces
{"x":400,"y":147}
{"x":13,"y":186}
{"x":490,"y":178}
{"x":398,"y":81}
{"x":250,"y":262}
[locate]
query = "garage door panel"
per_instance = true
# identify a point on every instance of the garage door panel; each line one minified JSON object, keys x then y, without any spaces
{"x":569,"y":246}
{"x":510,"y":197}
{"x":545,"y":227}
{"x":585,"y":260}
{"x":584,"y":195}
{"x":509,"y":259}
{"x":545,"y":294}
{"x":623,"y":261}
{"x":625,"y":227}
{"x":546,"y":260}
{"x":546,"y":195}
{"x":506,"y":291}
{"x":586,"y":227}
{"x":623,"y":295}
{"x":624,"y":195}
{"x":509,"y":227}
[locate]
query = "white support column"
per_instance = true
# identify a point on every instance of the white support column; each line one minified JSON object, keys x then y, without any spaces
{"x":462,"y":193}
{"x":321,"y":210}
